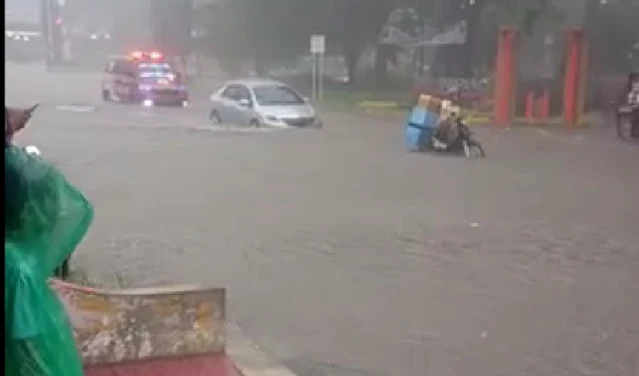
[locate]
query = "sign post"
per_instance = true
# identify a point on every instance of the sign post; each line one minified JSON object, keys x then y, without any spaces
{"x":318,"y":49}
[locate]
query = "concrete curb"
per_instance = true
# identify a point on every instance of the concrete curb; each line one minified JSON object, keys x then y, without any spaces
{"x":472,"y":118}
{"x":248,"y":358}
{"x":395,"y":112}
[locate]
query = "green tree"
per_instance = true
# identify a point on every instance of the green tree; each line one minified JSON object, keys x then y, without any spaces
{"x":354,"y":25}
{"x":274,"y":30}
{"x":248,"y":30}
{"x":483,"y":17}
{"x":614,"y":33}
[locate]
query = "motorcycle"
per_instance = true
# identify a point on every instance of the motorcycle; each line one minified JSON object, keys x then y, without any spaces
{"x":466,"y":144}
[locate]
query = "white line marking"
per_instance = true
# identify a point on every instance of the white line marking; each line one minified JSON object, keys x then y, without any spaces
{"x":74,"y":108}
{"x":543,"y":132}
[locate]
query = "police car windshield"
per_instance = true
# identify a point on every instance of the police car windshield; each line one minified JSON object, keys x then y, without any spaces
{"x":154,"y":70}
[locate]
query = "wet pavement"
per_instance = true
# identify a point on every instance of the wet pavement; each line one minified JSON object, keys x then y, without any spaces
{"x":346,"y":255}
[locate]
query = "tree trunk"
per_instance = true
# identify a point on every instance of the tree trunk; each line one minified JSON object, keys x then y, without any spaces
{"x":419,"y":59}
{"x":351,"y":56}
{"x":381,"y":65}
{"x":446,"y":63}
{"x":468,"y":49}
{"x":232,"y":66}
{"x":258,"y":66}
{"x":473,"y":28}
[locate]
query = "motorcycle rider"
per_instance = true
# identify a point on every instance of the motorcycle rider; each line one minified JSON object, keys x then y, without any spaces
{"x":447,"y":132}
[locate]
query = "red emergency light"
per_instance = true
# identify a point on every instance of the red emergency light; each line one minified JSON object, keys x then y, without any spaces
{"x":139,"y":55}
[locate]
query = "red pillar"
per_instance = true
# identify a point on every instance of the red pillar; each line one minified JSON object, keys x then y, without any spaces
{"x":572,"y":78}
{"x":505,"y":77}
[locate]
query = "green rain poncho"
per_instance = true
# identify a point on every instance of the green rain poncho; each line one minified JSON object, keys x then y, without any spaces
{"x":45,"y":219}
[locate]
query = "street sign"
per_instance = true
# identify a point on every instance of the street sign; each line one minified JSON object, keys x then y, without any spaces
{"x":318,"y":44}
{"x":318,"y":49}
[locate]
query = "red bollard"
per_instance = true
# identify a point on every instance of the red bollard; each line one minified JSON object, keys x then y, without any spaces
{"x":543,"y":106}
{"x":530,"y":106}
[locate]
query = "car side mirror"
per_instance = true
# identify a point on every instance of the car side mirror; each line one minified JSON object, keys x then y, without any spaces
{"x":306,"y":99}
{"x":244,"y":102}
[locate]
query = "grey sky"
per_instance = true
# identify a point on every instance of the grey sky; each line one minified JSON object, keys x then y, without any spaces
{"x":22,"y":10}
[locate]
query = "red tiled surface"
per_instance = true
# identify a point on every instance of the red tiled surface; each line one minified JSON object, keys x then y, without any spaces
{"x":205,"y":365}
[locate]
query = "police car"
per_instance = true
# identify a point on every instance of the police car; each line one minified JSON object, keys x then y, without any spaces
{"x":145,"y":78}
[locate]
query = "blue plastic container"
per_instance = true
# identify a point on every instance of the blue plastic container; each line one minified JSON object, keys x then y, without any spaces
{"x":419,"y":128}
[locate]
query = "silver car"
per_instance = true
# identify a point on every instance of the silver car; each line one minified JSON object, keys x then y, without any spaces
{"x":261,"y":102}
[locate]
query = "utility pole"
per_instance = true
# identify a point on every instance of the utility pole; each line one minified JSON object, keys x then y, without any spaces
{"x":53,"y":30}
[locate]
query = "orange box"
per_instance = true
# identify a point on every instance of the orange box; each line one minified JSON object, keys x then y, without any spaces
{"x":429,"y":103}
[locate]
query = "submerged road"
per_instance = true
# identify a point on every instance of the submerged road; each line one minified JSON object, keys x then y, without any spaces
{"x":343,"y":254}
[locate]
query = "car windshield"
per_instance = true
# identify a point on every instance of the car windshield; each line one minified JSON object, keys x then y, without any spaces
{"x":276,"y":95}
{"x":154,"y":70}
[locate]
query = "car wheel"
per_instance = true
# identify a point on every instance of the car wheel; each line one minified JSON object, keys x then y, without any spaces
{"x":215,"y":118}
{"x":106,"y":96}
{"x":254,"y":123}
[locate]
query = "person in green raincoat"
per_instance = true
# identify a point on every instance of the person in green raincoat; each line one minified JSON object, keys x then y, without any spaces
{"x":45,"y":219}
